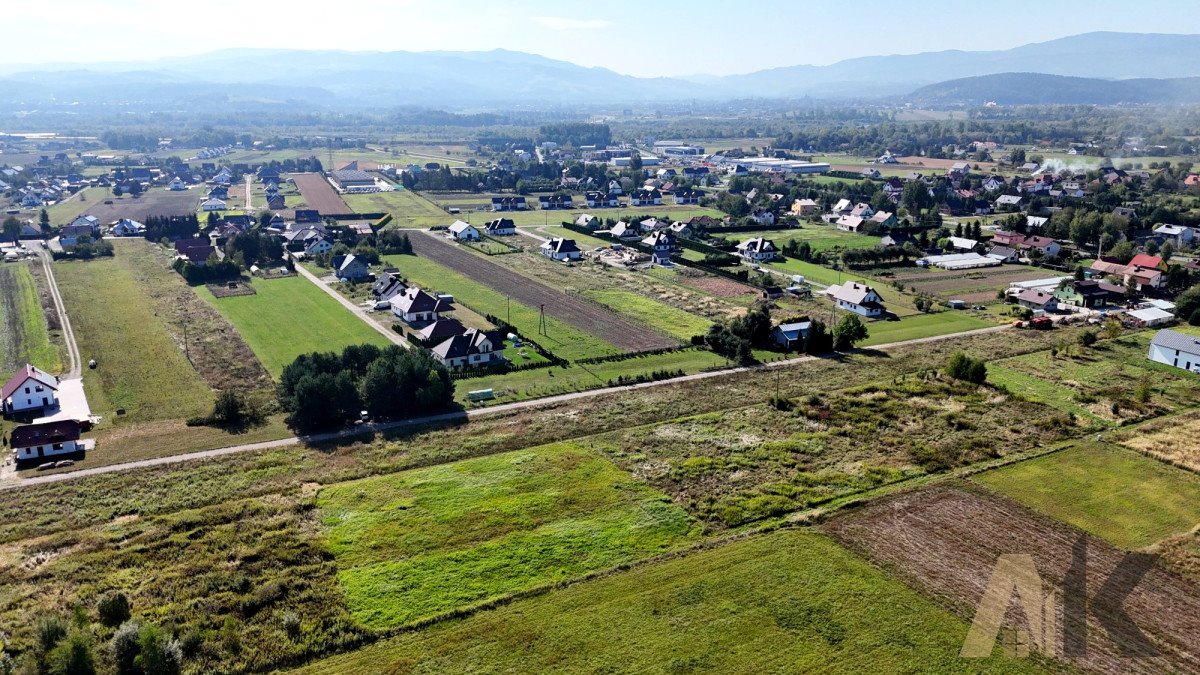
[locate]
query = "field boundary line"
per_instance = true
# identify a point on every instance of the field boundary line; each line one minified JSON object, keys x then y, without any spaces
{"x":76,"y":369}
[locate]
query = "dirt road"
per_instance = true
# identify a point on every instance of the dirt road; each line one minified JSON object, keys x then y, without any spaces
{"x":16,"y":483}
{"x":586,"y":316}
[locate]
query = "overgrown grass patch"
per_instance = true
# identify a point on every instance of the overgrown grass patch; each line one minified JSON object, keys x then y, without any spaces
{"x":1129,"y":499}
{"x":921,"y":326}
{"x":420,"y":543}
{"x":140,"y":367}
{"x":24,"y":331}
{"x":784,"y":602}
{"x":756,"y":462}
{"x":663,"y":318}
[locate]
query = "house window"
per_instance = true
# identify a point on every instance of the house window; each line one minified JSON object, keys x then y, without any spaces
{"x":58,"y":446}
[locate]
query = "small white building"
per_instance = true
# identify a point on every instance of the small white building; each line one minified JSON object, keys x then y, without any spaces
{"x":1178,"y":235}
{"x":1176,"y":349}
{"x":35,"y":441}
{"x":213,"y":204}
{"x":29,"y":389}
{"x":127,"y":228}
{"x":1151,"y":317}
{"x":463,"y":231}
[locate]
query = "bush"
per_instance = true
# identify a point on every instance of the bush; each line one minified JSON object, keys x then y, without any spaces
{"x":1088,"y":338}
{"x":113,"y":609}
{"x":72,"y":656}
{"x":124,"y":647}
{"x":967,"y":369}
{"x":158,"y":652}
{"x":49,"y":631}
{"x":1194,"y":319}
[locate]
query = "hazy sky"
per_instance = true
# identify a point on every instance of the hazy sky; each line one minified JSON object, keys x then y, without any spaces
{"x":630,"y":36}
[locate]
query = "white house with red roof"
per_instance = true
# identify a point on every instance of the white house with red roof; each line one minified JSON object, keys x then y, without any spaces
{"x":30,"y":389}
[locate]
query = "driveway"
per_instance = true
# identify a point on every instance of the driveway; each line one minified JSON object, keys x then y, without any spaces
{"x":393,"y":336}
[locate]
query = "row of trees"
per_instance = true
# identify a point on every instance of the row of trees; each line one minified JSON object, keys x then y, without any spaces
{"x":737,"y":338}
{"x":327,"y":390}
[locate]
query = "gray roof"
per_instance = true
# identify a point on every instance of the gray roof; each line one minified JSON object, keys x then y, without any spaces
{"x":1169,"y":339}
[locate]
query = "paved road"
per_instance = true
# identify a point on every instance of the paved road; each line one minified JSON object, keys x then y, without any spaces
{"x":446,"y":417}
{"x":361,"y":313}
{"x":76,"y":369}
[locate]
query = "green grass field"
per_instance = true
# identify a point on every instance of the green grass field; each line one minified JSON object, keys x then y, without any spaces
{"x":1129,"y":499}
{"x":921,"y":326}
{"x":563,"y":339}
{"x":420,"y":543}
{"x":407,"y":207}
{"x":819,"y":237}
{"x":289,"y":317}
{"x":527,"y":384}
{"x":24,"y":334}
{"x":140,"y":367}
{"x":663,"y":318}
{"x":785,"y":602}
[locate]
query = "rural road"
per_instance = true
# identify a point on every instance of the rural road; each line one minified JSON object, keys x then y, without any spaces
{"x":445,"y":417}
{"x":76,"y":369}
{"x":361,"y":313}
{"x":527,"y":233}
{"x":249,"y":188}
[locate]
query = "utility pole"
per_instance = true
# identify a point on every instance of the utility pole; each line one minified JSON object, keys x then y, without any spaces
{"x":542,"y":320}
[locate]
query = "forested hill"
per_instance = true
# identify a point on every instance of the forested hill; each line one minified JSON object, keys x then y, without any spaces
{"x":1041,"y":89}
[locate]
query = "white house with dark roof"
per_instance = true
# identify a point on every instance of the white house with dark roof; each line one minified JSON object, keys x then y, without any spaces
{"x":858,"y":298}
{"x":500,"y":227}
{"x":561,"y":249}
{"x":34,"y":441}
{"x":757,"y":249}
{"x":414,"y":305}
{"x":1176,"y":349}
{"x":472,"y":348}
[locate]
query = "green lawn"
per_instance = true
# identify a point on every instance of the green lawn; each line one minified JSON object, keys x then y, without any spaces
{"x":1040,"y":390}
{"x":420,"y":543}
{"x":139,"y":366}
{"x":289,"y":317}
{"x":922,"y":325}
{"x":819,"y":237}
{"x":538,"y":383}
{"x":1129,"y":499}
{"x":786,"y":602}
{"x":563,"y":339}
{"x":663,"y":318}
{"x":24,"y":334}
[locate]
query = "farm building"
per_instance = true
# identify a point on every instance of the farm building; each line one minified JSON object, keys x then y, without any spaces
{"x":561,"y":249}
{"x":463,"y":231}
{"x":961,"y":261}
{"x":353,"y":180}
{"x":472,"y":348}
{"x":1176,"y":349}
{"x":29,"y":389}
{"x":858,"y":298}
{"x":1151,"y":317}
{"x":34,"y":441}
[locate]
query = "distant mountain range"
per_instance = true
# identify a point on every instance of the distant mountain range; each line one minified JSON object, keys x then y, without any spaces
{"x":1039,"y":89}
{"x":340,"y":79}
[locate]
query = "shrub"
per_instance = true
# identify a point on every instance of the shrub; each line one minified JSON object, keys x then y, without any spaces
{"x":113,"y":609}
{"x":124,"y":647}
{"x":158,"y":652}
{"x":962,"y":367}
{"x":50,"y":630}
{"x":72,"y":656}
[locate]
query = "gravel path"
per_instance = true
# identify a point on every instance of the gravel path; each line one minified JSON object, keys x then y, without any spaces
{"x":16,"y":483}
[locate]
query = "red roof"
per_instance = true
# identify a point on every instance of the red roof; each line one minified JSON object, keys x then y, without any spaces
{"x":1143,"y":260}
{"x":25,"y":373}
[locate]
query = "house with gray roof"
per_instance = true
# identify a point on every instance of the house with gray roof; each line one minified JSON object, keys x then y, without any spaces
{"x":1175,"y":349}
